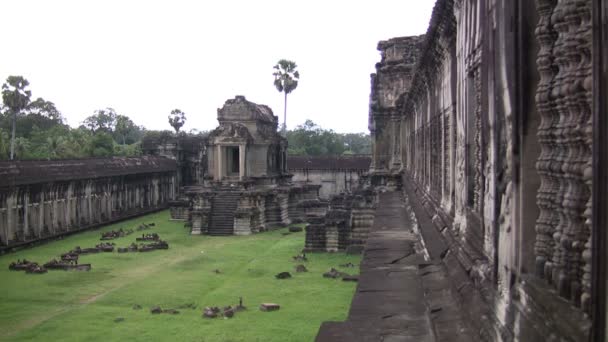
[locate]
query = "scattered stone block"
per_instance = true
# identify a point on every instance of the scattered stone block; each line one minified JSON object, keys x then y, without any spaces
{"x":301,"y":268}
{"x":21,"y":265}
{"x":354,"y":278}
{"x":156,"y":310}
{"x":334,"y":273}
{"x":171,"y":311}
{"x":295,"y":229}
{"x":229,"y":311}
{"x":67,"y":266}
{"x":301,"y":257}
{"x":105,"y":247}
{"x":148,"y":237}
{"x":269,"y":307}
{"x":349,"y":264}
{"x":211,"y":312}
{"x":36,"y":269}
{"x":283,"y":275}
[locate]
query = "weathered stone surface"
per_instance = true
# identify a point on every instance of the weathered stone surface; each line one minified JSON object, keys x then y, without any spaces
{"x":211,"y":312}
{"x":156,"y":310}
{"x":354,"y":278}
{"x":269,"y":307}
{"x":301,"y":268}
{"x":334,"y":273}
{"x":295,"y":229}
{"x":283,"y":275}
{"x":490,"y":122}
{"x":46,"y":204}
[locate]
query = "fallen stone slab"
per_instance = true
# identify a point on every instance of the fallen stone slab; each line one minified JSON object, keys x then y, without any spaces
{"x":354,"y":278}
{"x":283,"y":275}
{"x":21,"y":265}
{"x":301,"y":257}
{"x":211,"y":312}
{"x":334,"y":273}
{"x":66,"y":266}
{"x":295,"y":229}
{"x":36,"y":270}
{"x":269,"y":307}
{"x":229,"y":312}
{"x":156,"y":310}
{"x":105,"y":247}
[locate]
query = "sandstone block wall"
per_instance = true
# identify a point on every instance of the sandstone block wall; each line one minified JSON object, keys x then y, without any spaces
{"x":495,"y":134}
{"x":335,"y":174}
{"x":44,"y":199}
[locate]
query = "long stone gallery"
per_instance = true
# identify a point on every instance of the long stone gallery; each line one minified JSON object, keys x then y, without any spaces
{"x":480,"y":215}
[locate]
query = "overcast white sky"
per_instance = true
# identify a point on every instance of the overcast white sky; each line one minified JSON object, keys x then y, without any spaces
{"x":145,"y":58}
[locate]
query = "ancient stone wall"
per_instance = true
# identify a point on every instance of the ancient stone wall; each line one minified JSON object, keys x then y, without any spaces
{"x":495,"y":137}
{"x":335,"y":174}
{"x":45,"y":199}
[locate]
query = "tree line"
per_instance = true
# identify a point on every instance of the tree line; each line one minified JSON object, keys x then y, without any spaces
{"x":36,"y":129}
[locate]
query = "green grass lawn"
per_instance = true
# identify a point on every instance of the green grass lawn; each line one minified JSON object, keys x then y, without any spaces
{"x":82,"y":306}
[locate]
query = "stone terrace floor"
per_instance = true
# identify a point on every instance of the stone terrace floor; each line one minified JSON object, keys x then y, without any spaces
{"x":401,"y":295}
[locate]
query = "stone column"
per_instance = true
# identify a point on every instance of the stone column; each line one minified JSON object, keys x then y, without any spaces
{"x":372,"y":134}
{"x":218,"y":177}
{"x":241,"y":161}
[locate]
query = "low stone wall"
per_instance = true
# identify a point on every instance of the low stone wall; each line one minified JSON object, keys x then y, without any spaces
{"x":45,"y":199}
{"x":335,"y":174}
{"x":344,"y":225}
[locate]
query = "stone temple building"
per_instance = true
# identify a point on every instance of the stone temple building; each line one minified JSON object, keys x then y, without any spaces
{"x":491,"y":131}
{"x":242,"y":185}
{"x":484,"y":214}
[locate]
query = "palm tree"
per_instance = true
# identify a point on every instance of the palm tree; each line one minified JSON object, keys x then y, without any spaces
{"x":16,"y":98}
{"x":286,"y":79}
{"x":177,"y":119}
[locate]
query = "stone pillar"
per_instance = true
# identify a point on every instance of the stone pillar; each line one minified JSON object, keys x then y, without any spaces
{"x":241,"y":161}
{"x":218,"y":176}
{"x":372,"y":165}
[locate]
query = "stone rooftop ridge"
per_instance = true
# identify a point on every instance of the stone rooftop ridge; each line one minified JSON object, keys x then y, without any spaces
{"x":401,"y":50}
{"x":355,"y":162}
{"x":240,"y":109}
{"x":21,"y":172}
{"x":442,"y":27}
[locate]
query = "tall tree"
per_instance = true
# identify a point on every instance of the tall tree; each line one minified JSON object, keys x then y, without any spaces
{"x":124,"y":126}
{"x":286,"y":79}
{"x":44,"y":108}
{"x":16,"y":97}
{"x":103,"y":120}
{"x":177,"y":119}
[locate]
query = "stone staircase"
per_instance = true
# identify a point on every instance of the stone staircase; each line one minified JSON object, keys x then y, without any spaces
{"x":222,"y":212}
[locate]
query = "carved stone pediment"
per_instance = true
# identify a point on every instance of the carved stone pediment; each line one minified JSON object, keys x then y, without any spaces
{"x":231,"y":132}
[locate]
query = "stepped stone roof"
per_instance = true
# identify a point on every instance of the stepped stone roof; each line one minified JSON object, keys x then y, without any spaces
{"x":239,"y":109}
{"x":41,"y":171}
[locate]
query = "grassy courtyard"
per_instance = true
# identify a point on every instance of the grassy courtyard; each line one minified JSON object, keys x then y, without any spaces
{"x":83,"y":306}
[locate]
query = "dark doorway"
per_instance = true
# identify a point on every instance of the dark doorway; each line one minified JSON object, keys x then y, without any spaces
{"x":233,"y":158}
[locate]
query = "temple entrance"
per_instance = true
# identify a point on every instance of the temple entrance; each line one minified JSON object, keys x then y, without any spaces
{"x":232,"y":161}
